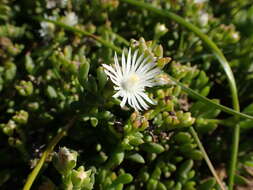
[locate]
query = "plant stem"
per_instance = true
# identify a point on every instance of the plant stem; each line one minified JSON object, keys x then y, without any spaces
{"x":207,"y":101}
{"x":32,"y":176}
{"x":234,"y":153}
{"x":208,"y":162}
{"x":224,"y":63}
{"x":82,"y":32}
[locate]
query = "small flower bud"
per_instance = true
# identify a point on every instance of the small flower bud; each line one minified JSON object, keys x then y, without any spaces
{"x":70,"y":19}
{"x":203,"y":18}
{"x":65,"y":160}
{"x":94,"y":121}
{"x":25,"y":88}
{"x":160,"y":30}
{"x":21,"y":117}
{"x":163,"y":61}
{"x":9,"y":128}
{"x":158,"y":51}
{"x":80,"y":178}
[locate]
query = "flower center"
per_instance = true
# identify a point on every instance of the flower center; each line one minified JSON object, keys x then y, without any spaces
{"x":131,"y":82}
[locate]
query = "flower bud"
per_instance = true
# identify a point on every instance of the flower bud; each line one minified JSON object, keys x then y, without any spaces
{"x":160,"y":30}
{"x":9,"y":128}
{"x":25,"y":88}
{"x":80,"y":178}
{"x":65,"y":160}
{"x":158,"y":50}
{"x":94,"y":121}
{"x":203,"y":18}
{"x":21,"y":117}
{"x":161,"y":62}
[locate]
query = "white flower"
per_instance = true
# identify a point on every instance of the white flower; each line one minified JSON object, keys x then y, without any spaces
{"x":47,"y":28}
{"x":235,"y":35}
{"x":203,"y":18}
{"x":70,"y":19}
{"x":50,"y":4}
{"x":131,"y":77}
{"x":200,"y":1}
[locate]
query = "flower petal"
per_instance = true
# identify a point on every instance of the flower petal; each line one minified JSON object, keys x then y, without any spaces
{"x":123,"y":63}
{"x":116,"y":61}
{"x":118,"y":94}
{"x":142,"y":103}
{"x":111,"y":69}
{"x":138,"y":62}
{"x":134,"y":59}
{"x":136,"y":103}
{"x":123,"y":102}
{"x":128,"y":65}
{"x":145,"y":97}
{"x":112,"y":77}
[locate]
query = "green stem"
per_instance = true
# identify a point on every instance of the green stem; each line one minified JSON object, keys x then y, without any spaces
{"x":224,"y":63}
{"x":82,"y":32}
{"x":226,"y":123}
{"x":207,"y":101}
{"x":208,"y":162}
{"x":32,"y":176}
{"x":234,"y":153}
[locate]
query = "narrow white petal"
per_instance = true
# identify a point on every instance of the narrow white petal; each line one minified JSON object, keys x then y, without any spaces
{"x":123,"y":62}
{"x":128,"y":65}
{"x":134,"y":59}
{"x":111,"y":69}
{"x":151,"y":74}
{"x":136,"y":103}
{"x":147,"y":67}
{"x":123,"y":102}
{"x":138,"y":62}
{"x":116,"y":61}
{"x":129,"y":99}
{"x":117,"y":88}
{"x":142,"y":64}
{"x":112,"y":77}
{"x":141,"y":86}
{"x":142,"y":103}
{"x":145,"y":97}
{"x":117,"y":94}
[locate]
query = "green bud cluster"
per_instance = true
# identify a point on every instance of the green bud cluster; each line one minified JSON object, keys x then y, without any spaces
{"x":76,"y":179}
{"x":11,"y":31}
{"x":150,"y":48}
